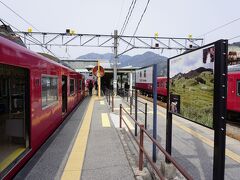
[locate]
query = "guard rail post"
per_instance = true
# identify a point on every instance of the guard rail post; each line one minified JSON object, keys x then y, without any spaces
{"x":120,"y":125}
{"x":146,"y":116}
{"x":141,"y":148}
{"x":127,"y":95}
{"x":109,"y":97}
{"x":106,"y":95}
{"x":136,"y":109}
{"x":131,"y":101}
{"x":112,"y":101}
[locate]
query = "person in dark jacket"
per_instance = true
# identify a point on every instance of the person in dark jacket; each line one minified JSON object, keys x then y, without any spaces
{"x":90,"y":87}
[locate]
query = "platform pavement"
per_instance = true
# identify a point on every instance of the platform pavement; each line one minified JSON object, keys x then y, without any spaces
{"x":50,"y":159}
{"x":105,"y":157}
{"x":192,"y":144}
{"x":102,"y":156}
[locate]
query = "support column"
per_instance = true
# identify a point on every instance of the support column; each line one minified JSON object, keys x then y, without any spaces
{"x":115,"y":62}
{"x":130,"y":83}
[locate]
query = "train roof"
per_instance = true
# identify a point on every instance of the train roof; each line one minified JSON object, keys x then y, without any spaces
{"x":234,"y":68}
{"x":13,"y":45}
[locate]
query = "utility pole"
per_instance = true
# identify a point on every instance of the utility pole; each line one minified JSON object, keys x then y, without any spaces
{"x":115,"y":62}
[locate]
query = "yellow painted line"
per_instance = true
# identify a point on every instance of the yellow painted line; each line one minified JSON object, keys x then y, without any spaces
{"x":105,"y":120}
{"x":234,"y":156}
{"x":73,"y":168}
{"x":102,"y":103}
{"x":9,"y":159}
{"x":128,"y":123}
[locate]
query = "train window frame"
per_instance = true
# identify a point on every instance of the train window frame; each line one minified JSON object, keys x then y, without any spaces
{"x":55,"y":101}
{"x":79,"y":84}
{"x":72,"y":92}
{"x":238,"y":87}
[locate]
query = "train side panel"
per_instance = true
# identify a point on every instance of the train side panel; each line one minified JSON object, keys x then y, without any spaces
{"x":233,"y":100}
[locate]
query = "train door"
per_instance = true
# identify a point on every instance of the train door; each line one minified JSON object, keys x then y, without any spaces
{"x":14,"y":115}
{"x":64,"y":94}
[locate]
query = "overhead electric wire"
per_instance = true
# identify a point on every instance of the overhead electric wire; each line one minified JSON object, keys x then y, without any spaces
{"x":145,"y":9}
{"x":219,"y":27}
{"x":34,"y":40}
{"x":130,"y":11}
{"x":118,"y":19}
{"x":234,"y":37}
{"x":27,"y":23}
{"x":141,"y":18}
{"x":19,"y":16}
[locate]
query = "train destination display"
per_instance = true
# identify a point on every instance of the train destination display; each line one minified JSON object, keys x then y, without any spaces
{"x":191,"y":85}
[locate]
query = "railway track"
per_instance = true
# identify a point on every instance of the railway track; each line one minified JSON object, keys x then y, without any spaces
{"x":232,"y":128}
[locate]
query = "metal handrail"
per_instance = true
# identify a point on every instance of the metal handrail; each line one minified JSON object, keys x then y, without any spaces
{"x":168,"y":156}
{"x":108,"y":97}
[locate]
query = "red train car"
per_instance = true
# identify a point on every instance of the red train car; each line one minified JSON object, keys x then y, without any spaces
{"x":146,"y":88}
{"x":36,"y":94}
{"x":233,"y":100}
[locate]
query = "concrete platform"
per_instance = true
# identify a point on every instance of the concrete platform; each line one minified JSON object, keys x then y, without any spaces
{"x":192,"y":144}
{"x":86,"y":146}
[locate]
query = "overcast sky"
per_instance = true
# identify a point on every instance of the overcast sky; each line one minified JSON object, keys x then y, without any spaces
{"x":177,"y":18}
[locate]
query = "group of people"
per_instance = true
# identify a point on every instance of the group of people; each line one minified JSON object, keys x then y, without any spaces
{"x":95,"y":84}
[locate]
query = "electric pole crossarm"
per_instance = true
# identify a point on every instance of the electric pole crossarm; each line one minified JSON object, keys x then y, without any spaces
{"x":167,"y":46}
{"x":70,"y":40}
{"x":178,"y":43}
{"x":89,"y":40}
{"x":143,"y":42}
{"x":105,"y":41}
{"x":130,"y":44}
{"x":55,"y":37}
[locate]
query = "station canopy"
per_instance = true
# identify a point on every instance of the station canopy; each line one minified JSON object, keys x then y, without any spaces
{"x":86,"y":65}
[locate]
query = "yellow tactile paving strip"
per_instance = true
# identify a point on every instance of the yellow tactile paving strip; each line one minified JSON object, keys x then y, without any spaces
{"x":205,"y":140}
{"x":75,"y":161}
{"x":105,"y":120}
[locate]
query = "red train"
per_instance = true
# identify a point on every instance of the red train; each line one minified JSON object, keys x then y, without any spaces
{"x":146,"y":88}
{"x":233,"y":93}
{"x":36,"y":94}
{"x":233,"y":100}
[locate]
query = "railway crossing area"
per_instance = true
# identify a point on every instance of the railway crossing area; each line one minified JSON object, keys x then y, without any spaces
{"x":90,"y":145}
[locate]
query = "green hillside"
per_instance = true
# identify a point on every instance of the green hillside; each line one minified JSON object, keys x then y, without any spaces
{"x":196,"y":96}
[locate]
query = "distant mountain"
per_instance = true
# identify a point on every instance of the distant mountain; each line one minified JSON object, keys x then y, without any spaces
{"x":142,"y":60}
{"x":192,"y":73}
{"x":107,"y":56}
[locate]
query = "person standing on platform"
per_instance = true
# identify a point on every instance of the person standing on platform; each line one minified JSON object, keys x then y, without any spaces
{"x":96,"y":86}
{"x":90,"y":87}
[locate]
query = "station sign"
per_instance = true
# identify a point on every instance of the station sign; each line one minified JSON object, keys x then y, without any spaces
{"x":95,"y":71}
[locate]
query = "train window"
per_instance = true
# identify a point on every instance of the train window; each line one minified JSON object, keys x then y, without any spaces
{"x":80,"y":85}
{"x":76,"y":85}
{"x":238,"y":88}
{"x":72,"y":81}
{"x":49,"y":90}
